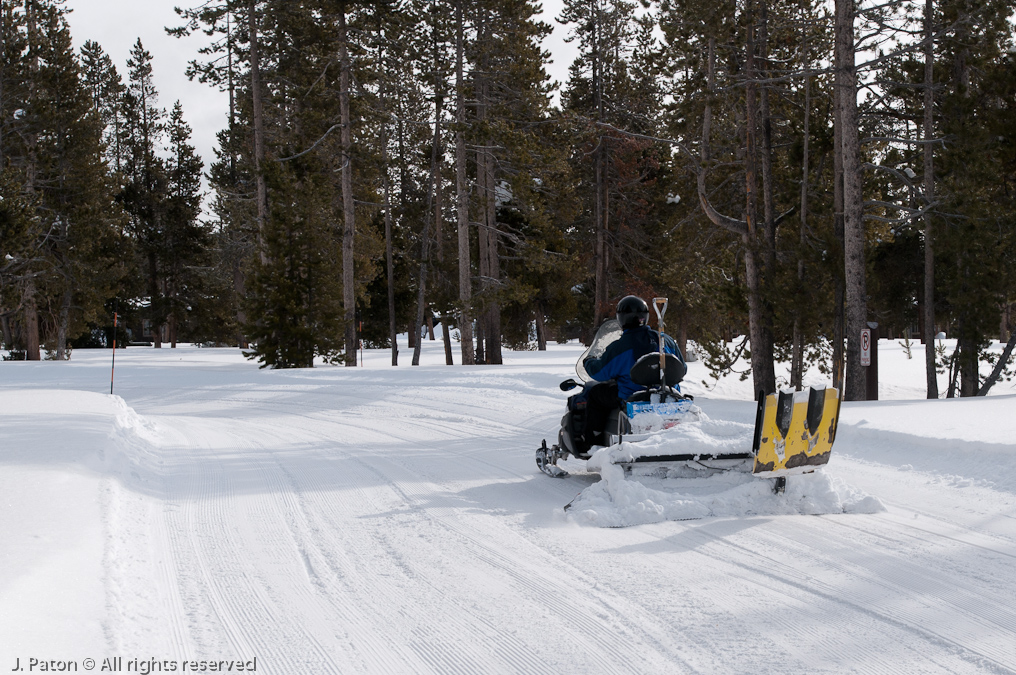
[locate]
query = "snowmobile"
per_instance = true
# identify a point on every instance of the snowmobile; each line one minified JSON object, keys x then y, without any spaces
{"x":794,"y":431}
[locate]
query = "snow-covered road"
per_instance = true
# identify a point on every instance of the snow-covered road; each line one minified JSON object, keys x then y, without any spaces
{"x":384,"y":520}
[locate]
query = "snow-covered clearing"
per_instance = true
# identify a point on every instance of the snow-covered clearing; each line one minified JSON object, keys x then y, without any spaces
{"x":392,"y":520}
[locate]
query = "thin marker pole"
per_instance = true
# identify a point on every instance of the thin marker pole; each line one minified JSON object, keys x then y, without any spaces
{"x":112,"y":368}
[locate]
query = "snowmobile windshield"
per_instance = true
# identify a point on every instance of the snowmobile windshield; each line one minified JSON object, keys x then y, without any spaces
{"x":609,"y":332}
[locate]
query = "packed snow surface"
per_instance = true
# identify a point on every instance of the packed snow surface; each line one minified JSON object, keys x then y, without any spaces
{"x":393,"y":520}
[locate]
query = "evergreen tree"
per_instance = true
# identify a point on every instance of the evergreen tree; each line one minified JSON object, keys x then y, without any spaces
{"x":19,"y":225}
{"x":71,"y":260}
{"x":186,"y":237}
{"x":528,"y":180}
{"x":107,"y":90}
{"x":605,"y":31}
{"x":976,"y":240}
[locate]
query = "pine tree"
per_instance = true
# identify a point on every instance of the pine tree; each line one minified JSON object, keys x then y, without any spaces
{"x":144,"y":193}
{"x":76,"y":189}
{"x":975,"y":242}
{"x":107,"y":91}
{"x":20,"y":228}
{"x":186,"y":238}
{"x":70,"y":263}
{"x":604,"y":30}
{"x":235,"y":237}
{"x":526,"y":201}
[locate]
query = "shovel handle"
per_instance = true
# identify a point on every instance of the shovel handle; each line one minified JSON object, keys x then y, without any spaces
{"x":660,"y":305}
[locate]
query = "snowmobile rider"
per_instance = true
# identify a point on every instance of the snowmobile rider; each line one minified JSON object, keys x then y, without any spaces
{"x":612,"y":369}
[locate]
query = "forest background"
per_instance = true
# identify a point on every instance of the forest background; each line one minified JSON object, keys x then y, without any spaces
{"x":784,"y":172}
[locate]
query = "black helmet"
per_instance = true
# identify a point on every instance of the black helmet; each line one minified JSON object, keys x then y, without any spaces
{"x":632,"y":312}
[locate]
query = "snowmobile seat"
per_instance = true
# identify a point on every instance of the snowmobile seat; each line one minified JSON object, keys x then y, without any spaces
{"x":646,"y":371}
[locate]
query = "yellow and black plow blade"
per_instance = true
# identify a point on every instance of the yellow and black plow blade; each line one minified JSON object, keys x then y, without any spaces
{"x":794,"y":431}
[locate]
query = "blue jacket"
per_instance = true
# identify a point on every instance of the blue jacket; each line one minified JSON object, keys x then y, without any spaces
{"x":621,"y":355}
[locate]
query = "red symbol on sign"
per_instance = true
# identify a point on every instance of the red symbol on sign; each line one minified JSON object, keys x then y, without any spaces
{"x":865,"y":347}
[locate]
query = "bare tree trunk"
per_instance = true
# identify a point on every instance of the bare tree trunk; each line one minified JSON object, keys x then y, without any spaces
{"x":494,"y":267}
{"x":839,"y":291}
{"x":3,"y":79}
{"x":481,"y":350}
{"x":600,"y":250}
{"x":5,"y":326}
{"x":239,"y":283}
{"x":600,"y":292}
{"x":969,"y":375}
{"x":766,"y":124}
{"x":485,"y":233}
{"x":403,"y":191}
{"x":446,"y":337}
{"x":421,"y":293}
{"x":31,"y":312}
{"x":763,"y":369}
{"x":483,"y":241}
{"x":797,"y":355}
{"x":389,"y":264}
{"x":682,"y":332}
{"x":230,"y":87}
{"x":435,"y":173}
{"x":853,"y":206}
{"x":30,"y":308}
{"x":156,"y":296}
{"x":768,"y":204}
{"x":490,"y":267}
{"x":63,"y":326}
{"x":259,"y":130}
{"x":386,"y":188}
{"x":240,"y":290}
{"x":348,"y":206}
{"x":462,"y":200}
{"x":541,"y":328}
{"x":929,"y":196}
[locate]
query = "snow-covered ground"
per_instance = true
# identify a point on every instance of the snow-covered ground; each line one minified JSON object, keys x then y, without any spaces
{"x":392,"y":520}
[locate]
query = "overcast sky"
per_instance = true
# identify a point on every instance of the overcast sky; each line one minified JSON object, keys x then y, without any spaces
{"x":117,"y":24}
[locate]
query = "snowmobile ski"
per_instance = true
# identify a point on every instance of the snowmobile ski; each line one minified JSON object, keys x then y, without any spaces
{"x":546,"y":459}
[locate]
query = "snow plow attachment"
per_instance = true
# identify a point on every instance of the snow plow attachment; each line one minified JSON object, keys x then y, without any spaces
{"x":794,"y":431}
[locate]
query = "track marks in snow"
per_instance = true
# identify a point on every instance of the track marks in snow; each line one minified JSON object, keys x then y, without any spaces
{"x":595,"y":631}
{"x":421,"y":554}
{"x":384,"y":562}
{"x":235,"y":565}
{"x":872,"y":609}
